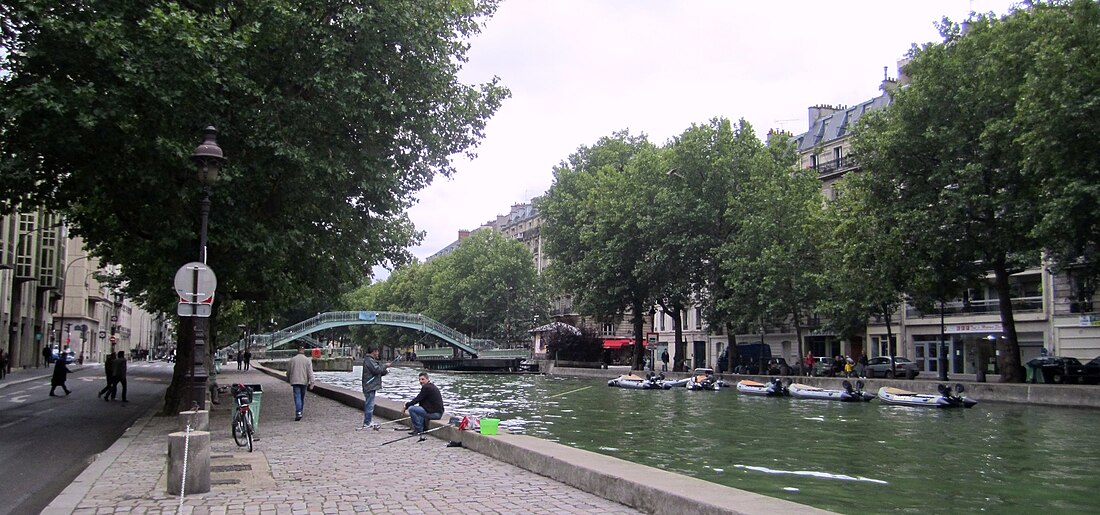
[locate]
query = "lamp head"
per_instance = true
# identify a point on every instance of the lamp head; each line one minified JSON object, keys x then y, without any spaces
{"x":208,"y":157}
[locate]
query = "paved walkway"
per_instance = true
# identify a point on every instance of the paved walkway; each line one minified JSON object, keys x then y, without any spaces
{"x":320,"y":465}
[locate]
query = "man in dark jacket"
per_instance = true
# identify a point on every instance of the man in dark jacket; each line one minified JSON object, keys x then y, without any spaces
{"x":109,"y":369}
{"x":119,"y":367}
{"x":427,"y":405}
{"x":373,"y":370}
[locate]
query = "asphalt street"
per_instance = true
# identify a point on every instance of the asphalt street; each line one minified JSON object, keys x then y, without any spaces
{"x":45,"y":442}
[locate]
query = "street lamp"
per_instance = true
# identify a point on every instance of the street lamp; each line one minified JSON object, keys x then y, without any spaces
{"x":208,"y":159}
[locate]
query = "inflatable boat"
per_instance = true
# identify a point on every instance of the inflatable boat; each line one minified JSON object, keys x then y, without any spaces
{"x":848,"y":394}
{"x":945,"y":399}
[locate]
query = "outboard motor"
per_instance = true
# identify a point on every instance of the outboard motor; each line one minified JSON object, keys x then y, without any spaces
{"x":848,"y":387}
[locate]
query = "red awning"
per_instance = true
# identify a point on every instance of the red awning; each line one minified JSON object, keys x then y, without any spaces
{"x":618,"y":343}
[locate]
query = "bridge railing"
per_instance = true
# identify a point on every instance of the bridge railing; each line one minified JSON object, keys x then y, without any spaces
{"x":335,"y":318}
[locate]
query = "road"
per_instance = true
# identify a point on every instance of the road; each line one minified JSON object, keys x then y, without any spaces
{"x":46,"y":442}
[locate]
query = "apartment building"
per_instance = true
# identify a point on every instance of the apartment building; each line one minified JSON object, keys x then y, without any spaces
{"x":51,"y":295}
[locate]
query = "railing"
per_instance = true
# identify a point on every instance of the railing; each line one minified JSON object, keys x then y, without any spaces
{"x":345,"y":318}
{"x":979,"y":307}
{"x":836,"y":165}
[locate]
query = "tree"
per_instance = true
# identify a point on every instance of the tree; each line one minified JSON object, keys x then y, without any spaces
{"x":333,"y":114}
{"x":773,"y":262}
{"x":707,"y":165}
{"x":953,"y":155}
{"x":595,"y":230}
{"x":490,"y":275}
{"x":866,"y":268}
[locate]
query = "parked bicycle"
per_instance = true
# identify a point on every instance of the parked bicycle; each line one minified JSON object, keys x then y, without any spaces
{"x":243,"y":423}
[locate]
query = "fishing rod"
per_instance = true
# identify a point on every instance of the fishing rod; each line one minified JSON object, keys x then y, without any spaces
{"x":379,"y":426}
{"x":421,"y":435}
{"x":570,"y":391}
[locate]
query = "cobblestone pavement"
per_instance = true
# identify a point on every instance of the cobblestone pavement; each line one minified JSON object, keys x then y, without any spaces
{"x":321,"y":465}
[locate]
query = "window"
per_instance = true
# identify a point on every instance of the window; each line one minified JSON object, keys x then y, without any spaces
{"x":838,"y":153}
{"x":698,"y":318}
{"x":813,"y":160}
{"x":608,"y":329}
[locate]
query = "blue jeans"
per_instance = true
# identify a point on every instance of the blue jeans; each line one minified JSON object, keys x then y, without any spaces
{"x":299,"y":397}
{"x":420,"y":417}
{"x":368,"y":406}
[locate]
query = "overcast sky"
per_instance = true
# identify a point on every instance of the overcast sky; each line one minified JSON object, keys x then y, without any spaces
{"x":582,"y":69}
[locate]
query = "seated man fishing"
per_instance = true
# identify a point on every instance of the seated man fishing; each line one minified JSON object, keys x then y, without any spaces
{"x":427,"y":405}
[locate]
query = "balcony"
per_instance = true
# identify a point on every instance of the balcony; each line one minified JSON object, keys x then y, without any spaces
{"x":979,"y":307}
{"x":835,"y":166}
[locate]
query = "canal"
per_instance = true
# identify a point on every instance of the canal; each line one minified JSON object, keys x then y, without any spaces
{"x":849,"y":458}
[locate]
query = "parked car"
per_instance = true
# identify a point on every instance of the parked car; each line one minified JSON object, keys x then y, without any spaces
{"x":1057,"y":370}
{"x":824,"y":366}
{"x":1092,"y":371}
{"x":890,"y":367}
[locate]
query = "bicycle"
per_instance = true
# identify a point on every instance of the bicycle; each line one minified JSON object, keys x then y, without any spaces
{"x":243,"y":422}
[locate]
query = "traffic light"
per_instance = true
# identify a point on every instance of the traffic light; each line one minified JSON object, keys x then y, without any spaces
{"x":67,"y":341}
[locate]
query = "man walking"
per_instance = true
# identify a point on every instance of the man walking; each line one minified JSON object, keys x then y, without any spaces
{"x":299,"y":373}
{"x":372,"y":382}
{"x":119,"y":368}
{"x":109,"y":371}
{"x":427,"y":405}
{"x":247,"y":358}
{"x":664,"y":360}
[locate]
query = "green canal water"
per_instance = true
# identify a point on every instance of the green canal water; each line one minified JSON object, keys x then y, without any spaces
{"x":849,"y":458}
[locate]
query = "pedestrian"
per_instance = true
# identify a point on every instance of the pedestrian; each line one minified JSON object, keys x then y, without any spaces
{"x":60,"y":372}
{"x":46,"y":355}
{"x":299,"y":373}
{"x":240,"y":361}
{"x":109,"y":371}
{"x":119,"y":368}
{"x":664,"y":360}
{"x":247,"y":358}
{"x":427,"y":405}
{"x":3,"y":364}
{"x":372,"y":382}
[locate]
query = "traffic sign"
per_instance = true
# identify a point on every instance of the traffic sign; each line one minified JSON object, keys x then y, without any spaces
{"x":186,"y":309}
{"x":195,"y":283}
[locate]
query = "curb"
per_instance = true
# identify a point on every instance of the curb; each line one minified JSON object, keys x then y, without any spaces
{"x":69,"y":498}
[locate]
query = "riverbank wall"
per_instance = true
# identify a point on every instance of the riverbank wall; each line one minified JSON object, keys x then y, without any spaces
{"x":1063,"y":395}
{"x":647,"y":489}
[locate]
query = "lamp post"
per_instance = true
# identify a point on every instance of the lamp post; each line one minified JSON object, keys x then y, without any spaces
{"x":64,"y":294}
{"x":208,"y":160}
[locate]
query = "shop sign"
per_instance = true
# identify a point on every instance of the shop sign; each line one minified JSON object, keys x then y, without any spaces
{"x":1089,"y":321}
{"x":974,"y":328}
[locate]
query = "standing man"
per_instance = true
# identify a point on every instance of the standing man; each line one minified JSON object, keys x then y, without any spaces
{"x":119,"y":367}
{"x":427,"y":405}
{"x":46,"y":355}
{"x":247,"y":358}
{"x":372,"y":382}
{"x":240,"y":361}
{"x":299,"y":373}
{"x":664,"y":360}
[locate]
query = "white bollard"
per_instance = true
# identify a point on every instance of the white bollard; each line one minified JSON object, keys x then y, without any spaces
{"x":197,"y":458}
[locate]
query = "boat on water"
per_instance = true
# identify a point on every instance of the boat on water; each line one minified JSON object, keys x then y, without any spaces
{"x":848,"y":394}
{"x":700,"y":379}
{"x":635,"y":382}
{"x":773,"y":388}
{"x":945,"y":399}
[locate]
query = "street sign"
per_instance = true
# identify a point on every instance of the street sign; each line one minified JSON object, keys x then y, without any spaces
{"x":186,"y":309}
{"x":103,"y":334}
{"x":195,"y":283}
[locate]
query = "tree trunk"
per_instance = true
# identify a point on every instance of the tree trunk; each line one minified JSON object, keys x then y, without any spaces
{"x":639,"y":337}
{"x":177,"y":389}
{"x":731,"y":353}
{"x":1009,"y":347}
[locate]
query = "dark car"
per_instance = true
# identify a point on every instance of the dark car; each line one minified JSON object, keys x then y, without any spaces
{"x":1057,"y":370}
{"x":777,"y":366}
{"x":891,"y":367}
{"x":1092,"y":371}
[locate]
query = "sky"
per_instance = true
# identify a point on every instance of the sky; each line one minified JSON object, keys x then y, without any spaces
{"x":582,"y":69}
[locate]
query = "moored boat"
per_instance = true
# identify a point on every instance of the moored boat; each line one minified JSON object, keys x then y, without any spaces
{"x":945,"y":399}
{"x":848,"y":394}
{"x":636,"y":382}
{"x":773,"y":388}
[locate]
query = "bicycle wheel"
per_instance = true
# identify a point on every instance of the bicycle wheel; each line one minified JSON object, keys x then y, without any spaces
{"x":248,"y":426}
{"x":240,"y":430}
